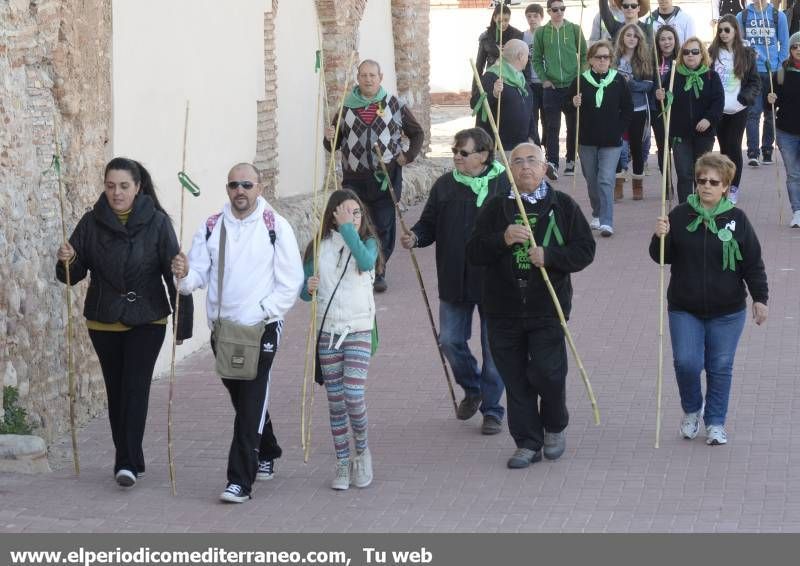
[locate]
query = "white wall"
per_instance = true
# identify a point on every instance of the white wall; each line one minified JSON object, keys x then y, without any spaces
{"x":299,"y":134}
{"x":206,"y":51}
{"x":376,"y":40}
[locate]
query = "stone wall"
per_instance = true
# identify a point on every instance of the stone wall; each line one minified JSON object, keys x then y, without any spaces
{"x":55,"y":68}
{"x":266,"y":149}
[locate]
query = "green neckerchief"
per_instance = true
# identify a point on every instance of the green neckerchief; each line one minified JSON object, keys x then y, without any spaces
{"x":601,"y":86}
{"x":354,"y":98}
{"x":480,"y":185}
{"x":510,"y":75}
{"x":730,"y":247}
{"x":693,"y":78}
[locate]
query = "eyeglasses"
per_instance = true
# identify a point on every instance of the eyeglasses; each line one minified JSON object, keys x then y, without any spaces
{"x":462,"y":152}
{"x":630,"y":6}
{"x":602,"y":57}
{"x":558,"y":9}
{"x":246,"y":185}
{"x":357,"y":213}
{"x":531,"y":161}
{"x":724,"y":30}
{"x":691,"y":51}
{"x":707,"y":181}
{"x":795,"y":46}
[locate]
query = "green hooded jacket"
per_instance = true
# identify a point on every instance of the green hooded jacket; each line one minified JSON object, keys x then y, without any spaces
{"x":554,"y":53}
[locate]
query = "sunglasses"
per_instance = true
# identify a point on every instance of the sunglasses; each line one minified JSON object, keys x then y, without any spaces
{"x":795,"y":46}
{"x":602,"y":57}
{"x":630,"y":6}
{"x":707,"y":181}
{"x":463,"y":152}
{"x":691,"y":51}
{"x":725,"y":30}
{"x":246,"y":185}
{"x":559,"y":9}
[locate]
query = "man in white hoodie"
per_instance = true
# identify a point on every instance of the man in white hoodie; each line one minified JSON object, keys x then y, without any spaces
{"x":666,"y":13}
{"x":262,"y":277}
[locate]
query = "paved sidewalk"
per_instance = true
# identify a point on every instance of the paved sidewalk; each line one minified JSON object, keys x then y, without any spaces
{"x":434,"y":473}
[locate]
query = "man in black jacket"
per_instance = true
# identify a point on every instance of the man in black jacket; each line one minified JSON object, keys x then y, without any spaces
{"x":448,"y":218}
{"x":525,"y":335}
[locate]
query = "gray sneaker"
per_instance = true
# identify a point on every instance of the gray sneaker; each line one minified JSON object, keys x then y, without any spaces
{"x":554,"y":444}
{"x":524,"y":457}
{"x":716,"y":435}
{"x":468,"y":407}
{"x":342,"y":479}
{"x":690,"y":424}
{"x":362,"y":469}
{"x":491,"y":425}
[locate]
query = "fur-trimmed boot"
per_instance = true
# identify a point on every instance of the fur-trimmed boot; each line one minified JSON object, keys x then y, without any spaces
{"x":638,"y":189}
{"x":618,"y":185}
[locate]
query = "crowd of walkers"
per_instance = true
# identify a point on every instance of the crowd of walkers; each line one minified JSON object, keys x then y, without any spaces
{"x":494,"y":246}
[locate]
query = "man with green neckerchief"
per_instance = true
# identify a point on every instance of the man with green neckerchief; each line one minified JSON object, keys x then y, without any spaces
{"x":715,"y":259}
{"x":454,"y":203}
{"x":372,"y":115}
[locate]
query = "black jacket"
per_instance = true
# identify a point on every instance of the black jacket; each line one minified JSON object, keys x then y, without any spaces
{"x":688,"y":110}
{"x":516,"y":112}
{"x":488,"y":52}
{"x":751,"y":82}
{"x":503,"y":295}
{"x":787,"y":87}
{"x":448,"y":219}
{"x":604,"y":126}
{"x":697,"y":284}
{"x":129,"y":265}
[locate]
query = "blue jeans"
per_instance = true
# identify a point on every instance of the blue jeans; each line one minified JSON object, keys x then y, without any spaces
{"x":599,"y":165}
{"x":708,"y":344}
{"x":624,"y":157}
{"x":455,"y":320}
{"x":789,"y":144}
{"x":759,"y":107}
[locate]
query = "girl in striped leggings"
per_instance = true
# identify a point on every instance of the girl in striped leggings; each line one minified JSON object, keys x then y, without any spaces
{"x":348,"y":256}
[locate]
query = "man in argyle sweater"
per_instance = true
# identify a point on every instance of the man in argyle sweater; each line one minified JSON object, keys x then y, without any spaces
{"x":372,"y":115}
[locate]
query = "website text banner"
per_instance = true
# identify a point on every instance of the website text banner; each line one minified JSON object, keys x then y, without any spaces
{"x":394,"y":549}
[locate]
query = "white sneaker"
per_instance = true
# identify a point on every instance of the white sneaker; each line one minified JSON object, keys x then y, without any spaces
{"x":342,"y":479}
{"x":795,"y":223}
{"x":362,"y":469}
{"x":716,"y":435}
{"x":125,"y":478}
{"x":595,"y":223}
{"x":690,"y":424}
{"x":733,"y":194}
{"x":234,"y":494}
{"x":606,"y":231}
{"x":753,"y":161}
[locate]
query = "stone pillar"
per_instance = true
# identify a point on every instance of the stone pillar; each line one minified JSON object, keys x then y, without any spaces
{"x":266,"y":158}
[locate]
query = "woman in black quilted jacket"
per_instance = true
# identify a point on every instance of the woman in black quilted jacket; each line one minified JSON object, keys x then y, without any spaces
{"x":126,"y":243}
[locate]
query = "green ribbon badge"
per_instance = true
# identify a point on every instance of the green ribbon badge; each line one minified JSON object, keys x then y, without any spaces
{"x":381,"y":177}
{"x":188,"y":184}
{"x":55,"y":165}
{"x":669,"y":98}
{"x":480,"y":107}
{"x":318,"y":64}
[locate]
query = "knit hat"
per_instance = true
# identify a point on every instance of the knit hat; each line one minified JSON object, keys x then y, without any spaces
{"x":795,"y":39}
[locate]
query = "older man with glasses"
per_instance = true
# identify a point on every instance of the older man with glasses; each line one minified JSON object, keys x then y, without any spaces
{"x":525,"y":334}
{"x":455,"y":200}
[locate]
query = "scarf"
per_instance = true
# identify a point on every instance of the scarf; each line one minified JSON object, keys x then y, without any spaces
{"x":730,"y":247}
{"x":693,"y":78}
{"x":510,"y":75}
{"x":355,"y":99}
{"x":480,"y":185}
{"x":601,"y":86}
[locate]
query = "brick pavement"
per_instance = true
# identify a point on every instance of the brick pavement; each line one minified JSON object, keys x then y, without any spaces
{"x":436,"y":474}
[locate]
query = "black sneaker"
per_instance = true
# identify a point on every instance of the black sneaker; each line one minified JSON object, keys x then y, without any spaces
{"x":552,"y":171}
{"x":766,"y":158}
{"x":234,"y":494}
{"x":125,"y":478}
{"x":380,"y":285}
{"x":753,"y":161}
{"x":468,"y":407}
{"x":266,"y":470}
{"x":569,"y":169}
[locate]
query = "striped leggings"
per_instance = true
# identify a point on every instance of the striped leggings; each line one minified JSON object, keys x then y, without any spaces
{"x":345,"y":373}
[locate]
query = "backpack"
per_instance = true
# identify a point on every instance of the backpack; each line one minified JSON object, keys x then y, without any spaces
{"x":269,"y":222}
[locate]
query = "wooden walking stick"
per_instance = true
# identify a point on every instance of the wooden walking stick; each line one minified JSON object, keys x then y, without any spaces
{"x":414,"y":261}
{"x":56,"y":166}
{"x":500,"y":61}
{"x":187,"y":184}
{"x":774,"y":124}
{"x":664,"y":177}
{"x":310,"y":366}
{"x":578,"y":110}
{"x":542,"y":270}
{"x":332,"y":165}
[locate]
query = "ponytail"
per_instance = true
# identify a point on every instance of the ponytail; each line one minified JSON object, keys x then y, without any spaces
{"x":140,"y":176}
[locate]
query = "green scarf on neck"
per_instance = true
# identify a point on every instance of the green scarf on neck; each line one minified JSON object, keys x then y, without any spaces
{"x":510,"y":75}
{"x":355,"y":99}
{"x":693,"y":78}
{"x":601,"y":86}
{"x":480,"y":185}
{"x":730,"y":247}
